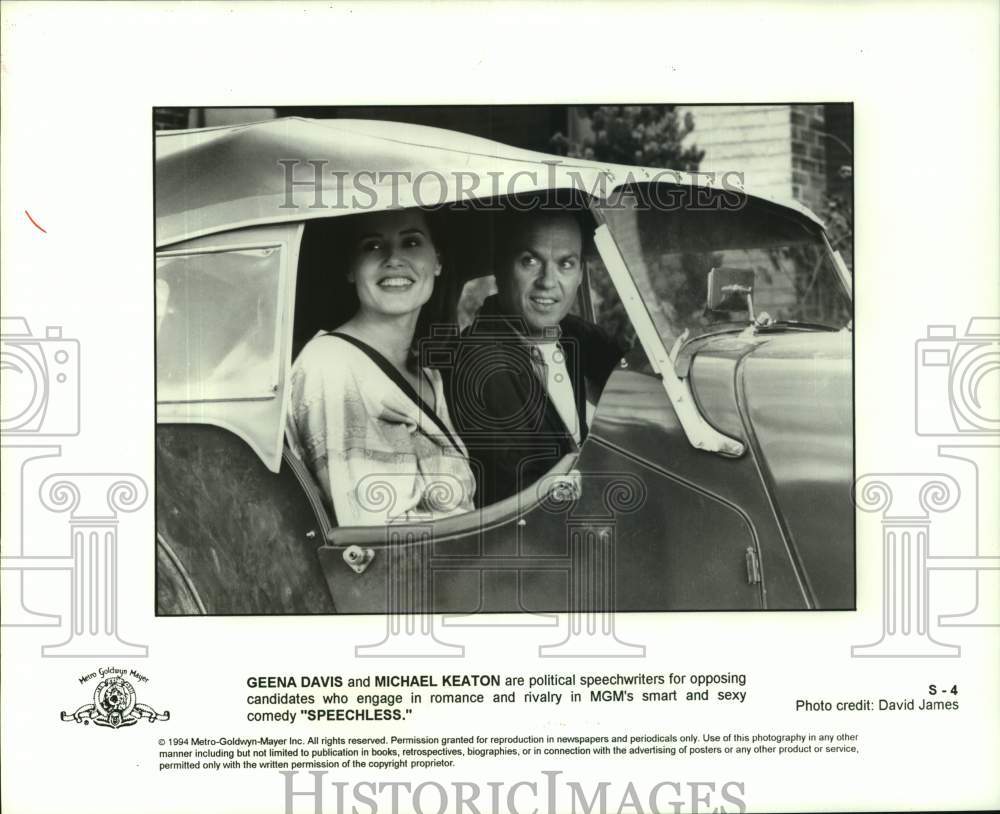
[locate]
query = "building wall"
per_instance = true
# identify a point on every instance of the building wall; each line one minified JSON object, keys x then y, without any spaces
{"x":183,"y":118}
{"x":778,"y":148}
{"x":808,"y":155}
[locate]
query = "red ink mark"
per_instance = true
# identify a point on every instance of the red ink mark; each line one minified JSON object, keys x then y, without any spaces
{"x":26,"y":212}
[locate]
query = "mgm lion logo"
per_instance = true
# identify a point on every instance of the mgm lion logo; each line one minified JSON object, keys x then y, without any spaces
{"x":115,"y":706}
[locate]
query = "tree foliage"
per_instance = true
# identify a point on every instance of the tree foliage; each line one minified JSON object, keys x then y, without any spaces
{"x":650,"y":136}
{"x":838,"y":215}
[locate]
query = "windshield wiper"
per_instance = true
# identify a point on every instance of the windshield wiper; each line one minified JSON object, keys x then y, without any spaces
{"x":777,"y":325}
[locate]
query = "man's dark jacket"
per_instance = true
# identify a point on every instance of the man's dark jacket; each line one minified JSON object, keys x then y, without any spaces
{"x":498,"y":403}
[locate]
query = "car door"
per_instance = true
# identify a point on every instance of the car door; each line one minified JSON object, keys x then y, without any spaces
{"x":638,"y":520}
{"x":236,"y":526}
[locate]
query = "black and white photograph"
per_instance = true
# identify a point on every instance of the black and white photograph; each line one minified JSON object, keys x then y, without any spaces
{"x":499,"y":408}
{"x":478,"y":359}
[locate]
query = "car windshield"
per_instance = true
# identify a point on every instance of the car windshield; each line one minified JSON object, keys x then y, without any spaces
{"x":670,"y":252}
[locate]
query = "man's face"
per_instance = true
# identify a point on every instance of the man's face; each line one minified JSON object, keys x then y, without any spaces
{"x":540,"y":271}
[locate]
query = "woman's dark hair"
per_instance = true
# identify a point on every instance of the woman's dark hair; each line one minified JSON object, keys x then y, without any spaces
{"x":468,"y":241}
{"x":325,"y":299}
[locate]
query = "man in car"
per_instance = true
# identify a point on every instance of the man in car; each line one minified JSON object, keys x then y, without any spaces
{"x":528,"y":373}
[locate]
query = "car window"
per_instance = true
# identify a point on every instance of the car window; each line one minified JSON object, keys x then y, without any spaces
{"x":217,"y":324}
{"x":610,"y":313}
{"x":474,"y":292}
{"x":671,"y":253}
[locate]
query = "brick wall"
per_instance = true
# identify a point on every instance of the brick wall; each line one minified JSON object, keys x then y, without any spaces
{"x":778,"y":148}
{"x":808,"y":155}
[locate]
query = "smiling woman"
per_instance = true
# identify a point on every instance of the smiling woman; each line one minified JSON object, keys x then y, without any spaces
{"x":370,"y":423}
{"x":393,"y":266}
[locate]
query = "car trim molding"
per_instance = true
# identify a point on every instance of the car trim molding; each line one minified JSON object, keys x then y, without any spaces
{"x":767,"y":480}
{"x":180,"y":573}
{"x":700,"y":434}
{"x":477,"y":521}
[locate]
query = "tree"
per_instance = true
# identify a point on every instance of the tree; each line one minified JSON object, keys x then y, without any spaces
{"x":838,"y":215}
{"x":650,"y":136}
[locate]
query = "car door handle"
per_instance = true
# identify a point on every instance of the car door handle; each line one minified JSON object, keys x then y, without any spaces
{"x":753,"y":566}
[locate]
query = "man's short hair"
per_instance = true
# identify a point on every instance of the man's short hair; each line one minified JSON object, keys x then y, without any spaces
{"x":511,"y":223}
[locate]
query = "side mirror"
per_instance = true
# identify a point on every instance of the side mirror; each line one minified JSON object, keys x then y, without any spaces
{"x":730,"y":289}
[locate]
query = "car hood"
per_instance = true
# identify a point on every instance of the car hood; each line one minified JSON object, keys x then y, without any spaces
{"x":789,"y":397}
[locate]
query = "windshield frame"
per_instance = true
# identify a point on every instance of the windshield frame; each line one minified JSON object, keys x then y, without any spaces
{"x":671,"y":236}
{"x":665,"y":362}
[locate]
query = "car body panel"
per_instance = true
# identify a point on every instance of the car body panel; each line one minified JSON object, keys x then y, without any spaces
{"x":676,"y":525}
{"x":240,"y":539}
{"x":790,"y":397}
{"x":798,"y":392}
{"x":651,"y":539}
{"x":637,"y":423}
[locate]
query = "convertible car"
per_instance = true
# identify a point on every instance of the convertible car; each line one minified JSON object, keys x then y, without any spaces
{"x":717,"y":472}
